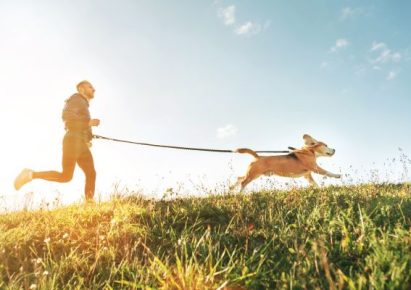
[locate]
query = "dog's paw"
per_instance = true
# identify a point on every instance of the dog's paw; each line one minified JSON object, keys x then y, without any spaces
{"x":337,"y":175}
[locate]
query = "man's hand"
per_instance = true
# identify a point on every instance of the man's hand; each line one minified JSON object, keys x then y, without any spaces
{"x":94,"y":122}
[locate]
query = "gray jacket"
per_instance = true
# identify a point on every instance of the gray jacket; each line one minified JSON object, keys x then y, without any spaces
{"x":76,"y":115}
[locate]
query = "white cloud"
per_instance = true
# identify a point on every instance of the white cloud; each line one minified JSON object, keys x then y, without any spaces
{"x":384,"y":53}
{"x":380,"y":58}
{"x":391,"y":75}
{"x":248,"y":28}
{"x":387,"y":55}
{"x":339,"y":44}
{"x":228,"y":15}
{"x":348,"y":12}
{"x":226,"y":131}
{"x":378,"y":45}
{"x":324,"y":64}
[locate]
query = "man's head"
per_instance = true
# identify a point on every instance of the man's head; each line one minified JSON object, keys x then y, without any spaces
{"x":86,"y":89}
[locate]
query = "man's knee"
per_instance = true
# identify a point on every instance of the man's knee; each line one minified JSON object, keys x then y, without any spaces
{"x":66,"y":177}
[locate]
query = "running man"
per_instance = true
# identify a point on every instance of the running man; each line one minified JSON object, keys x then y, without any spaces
{"x":76,"y":143}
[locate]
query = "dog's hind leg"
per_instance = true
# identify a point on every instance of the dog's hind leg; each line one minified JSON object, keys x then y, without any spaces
{"x":247,"y":179}
{"x":244,"y":183}
{"x":239,"y":179}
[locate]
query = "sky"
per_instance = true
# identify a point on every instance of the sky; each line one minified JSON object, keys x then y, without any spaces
{"x":215,"y":74}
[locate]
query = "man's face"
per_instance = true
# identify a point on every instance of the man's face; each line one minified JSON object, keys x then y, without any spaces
{"x":88,"y":90}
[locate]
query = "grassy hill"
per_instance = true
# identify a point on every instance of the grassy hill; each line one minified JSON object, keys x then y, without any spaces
{"x":330,"y":238}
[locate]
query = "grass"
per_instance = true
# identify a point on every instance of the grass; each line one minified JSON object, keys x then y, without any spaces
{"x":356,"y":237}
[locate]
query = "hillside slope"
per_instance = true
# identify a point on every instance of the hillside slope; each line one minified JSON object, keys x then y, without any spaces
{"x":331,"y":238}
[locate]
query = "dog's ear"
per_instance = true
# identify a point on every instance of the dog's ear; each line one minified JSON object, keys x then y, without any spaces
{"x":308,"y":140}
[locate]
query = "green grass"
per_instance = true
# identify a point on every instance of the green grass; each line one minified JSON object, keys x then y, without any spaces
{"x":355,"y":237}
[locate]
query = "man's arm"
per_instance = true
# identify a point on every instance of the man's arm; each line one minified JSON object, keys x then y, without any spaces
{"x":94,"y":122}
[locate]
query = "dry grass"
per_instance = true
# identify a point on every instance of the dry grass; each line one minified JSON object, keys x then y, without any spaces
{"x":355,"y":237}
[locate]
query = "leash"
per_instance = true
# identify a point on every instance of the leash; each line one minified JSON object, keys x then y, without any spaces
{"x":183,"y":148}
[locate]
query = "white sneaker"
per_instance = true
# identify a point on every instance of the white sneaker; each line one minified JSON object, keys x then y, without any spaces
{"x":26,"y":175}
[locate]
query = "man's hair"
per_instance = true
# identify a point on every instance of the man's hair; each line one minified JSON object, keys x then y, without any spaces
{"x":80,"y":84}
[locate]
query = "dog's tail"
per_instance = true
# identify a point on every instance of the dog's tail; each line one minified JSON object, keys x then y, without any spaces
{"x":249,"y":151}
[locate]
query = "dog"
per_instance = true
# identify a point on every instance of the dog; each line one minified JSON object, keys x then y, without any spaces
{"x":298,"y":163}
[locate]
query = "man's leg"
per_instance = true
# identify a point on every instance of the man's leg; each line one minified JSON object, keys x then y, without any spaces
{"x":86,"y":163}
{"x":65,"y":176}
{"x":70,"y":154}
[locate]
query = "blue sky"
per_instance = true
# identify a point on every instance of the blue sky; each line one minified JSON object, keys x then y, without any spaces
{"x":220,"y":74}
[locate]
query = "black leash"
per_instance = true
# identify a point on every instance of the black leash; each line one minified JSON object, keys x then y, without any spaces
{"x":180,"y":147}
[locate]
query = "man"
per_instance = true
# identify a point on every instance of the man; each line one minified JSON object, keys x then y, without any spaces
{"x":76,"y":143}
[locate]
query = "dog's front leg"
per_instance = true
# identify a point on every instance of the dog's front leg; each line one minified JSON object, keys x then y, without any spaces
{"x":322,"y":171}
{"x":310,"y":180}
